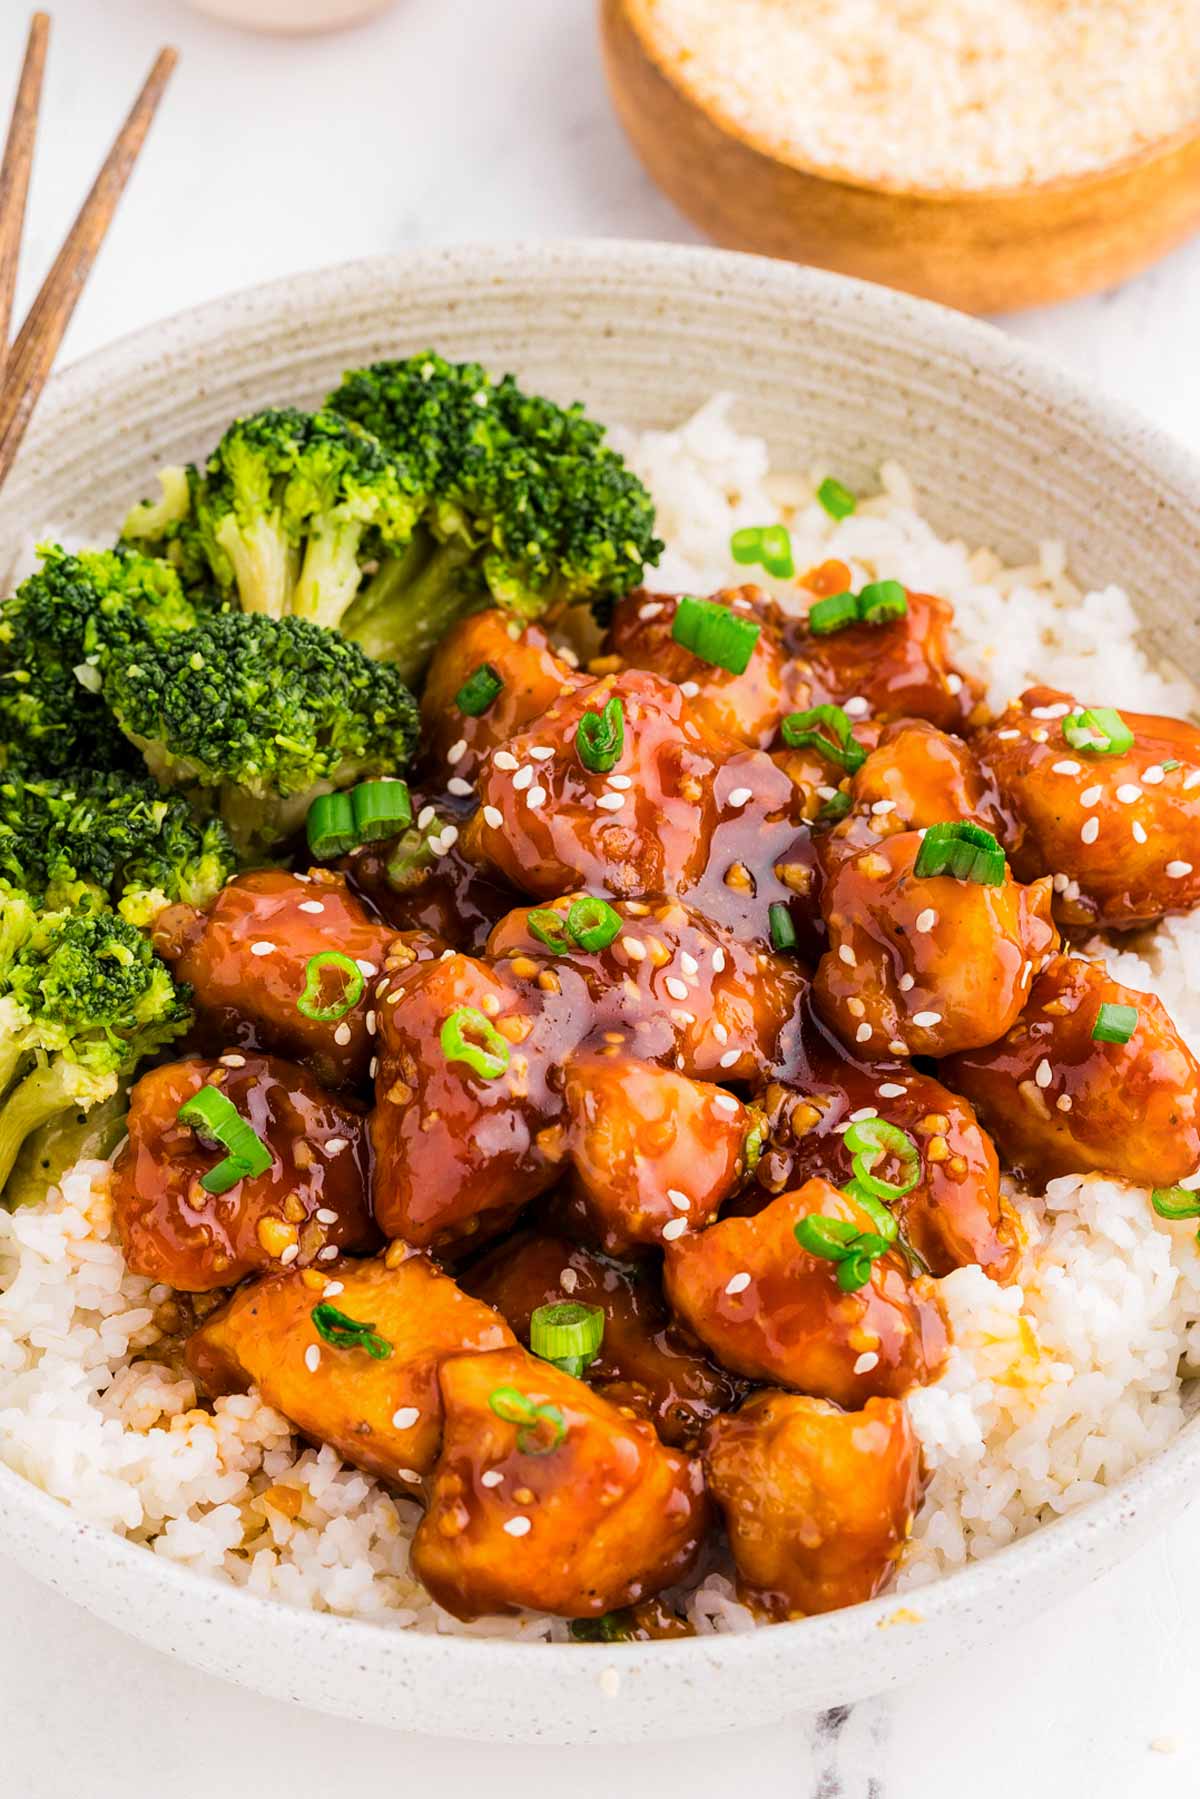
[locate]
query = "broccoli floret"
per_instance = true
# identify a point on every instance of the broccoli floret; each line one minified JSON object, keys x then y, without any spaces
{"x":526,"y":507}
{"x":51,"y":713}
{"x":286,"y":511}
{"x":259,"y":714}
{"x":109,"y":840}
{"x":83,"y":998}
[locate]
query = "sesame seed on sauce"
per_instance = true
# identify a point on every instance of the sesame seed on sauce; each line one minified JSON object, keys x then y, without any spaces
{"x":1091,"y":795}
{"x":718,"y":960}
{"x":324,"y":1215}
{"x":568,"y":1280}
{"x":373,"y":1067}
{"x":857,"y":707}
{"x":1127,"y":793}
{"x":535,"y":797}
{"x":1153,"y":775}
{"x":410,"y":1475}
{"x":611,"y":802}
{"x":1006,"y":736}
{"x":262,"y":948}
{"x":457,"y":751}
{"x":679,"y":1200}
{"x":906,"y":983}
{"x":730,"y":1057}
{"x":926,"y":919}
{"x":493,"y":816}
{"x":1090,"y":830}
{"x":1138,"y":832}
{"x":1175,"y":871}
{"x":620,"y":782}
{"x":892,"y":1090}
{"x":425,"y":816}
{"x":863,"y":1034}
{"x":506,"y":760}
{"x":651,"y":609}
{"x":491,"y":1477}
{"x":1043,"y":1074}
{"x":406,"y":1417}
{"x":332,"y":1289}
{"x":312,"y":905}
{"x":675,"y":987}
{"x":925,"y":1021}
{"x":737,"y":1283}
{"x":540,"y":752}
{"x":371,"y":1025}
{"x":517,"y":1527}
{"x":863,"y":1112}
{"x":740,"y":796}
{"x":328,"y":1254}
{"x":689,"y":689}
{"x":882,"y":807}
{"x":847,"y":955}
{"x":633,"y":946}
{"x":367,"y":968}
{"x":720,"y":1032}
{"x":688,"y":963}
{"x":954,"y":683}
{"x":342,"y":1034}
{"x":335,"y":1145}
{"x":1067,"y":767}
{"x":233,"y":1061}
{"x":866,"y":1361}
{"x":1058,"y":710}
{"x":674,"y":1229}
{"x":522,"y":779}
{"x":312,"y":1358}
{"x":458,"y":787}
{"x":1063,"y":1102}
{"x":289,"y":1255}
{"x":726,"y":1102}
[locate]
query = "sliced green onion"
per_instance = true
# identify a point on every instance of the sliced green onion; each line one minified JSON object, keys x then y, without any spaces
{"x":517,"y":1408}
{"x":1097,"y":731}
{"x":593,"y":923}
{"x":962,"y":850}
{"x":839,"y":1240}
{"x":550,"y":928}
{"x":349,"y":1333}
{"x":868,"y":1140}
{"x":1175,"y":1202}
{"x":715,"y":634}
{"x":212,"y":1114}
{"x":835,"y":808}
{"x":225,"y":1174}
{"x":351,"y":993}
{"x":478,"y":691}
{"x":837,"y":500}
{"x":838,"y":743}
{"x":1168,"y":766}
{"x":600,"y":738}
{"x":330,"y":826}
{"x":1114,"y":1024}
{"x":881,"y":601}
{"x":381,"y":809}
{"x":568,"y":1334}
{"x":833,"y":614}
{"x":613,"y":1627}
{"x":769,"y":545}
{"x":484,"y":1050}
{"x":783,"y":931}
{"x":752,"y":1145}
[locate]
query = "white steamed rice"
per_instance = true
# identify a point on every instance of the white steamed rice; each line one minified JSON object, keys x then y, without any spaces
{"x":1057,"y":1385}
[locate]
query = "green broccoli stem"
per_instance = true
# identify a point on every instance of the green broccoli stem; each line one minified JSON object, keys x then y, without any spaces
{"x":329,"y":576}
{"x":47,"y":1090}
{"x":401,"y":617}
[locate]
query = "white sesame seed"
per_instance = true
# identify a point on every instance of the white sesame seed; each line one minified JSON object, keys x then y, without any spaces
{"x":457,"y":786}
{"x":1063,"y":1102}
{"x":1154,"y":774}
{"x":324,"y":1215}
{"x":720,"y":1032}
{"x":409,"y":1474}
{"x":689,"y":689}
{"x":676,"y":988}
{"x":371,"y":1024}
{"x":1091,"y":795}
{"x":522,"y":778}
{"x":506,"y":760}
{"x":233,"y":1061}
{"x":373,"y":1067}
{"x":535,"y":797}
{"x":857,"y":707}
{"x":406,"y":1417}
{"x":620,"y":782}
{"x":1090,"y":830}
{"x":726,"y":1102}
{"x":611,"y":802}
{"x":342,"y":1034}
{"x":1138,"y":831}
{"x":863,"y":1034}
{"x":898,"y":1046}
{"x":866,"y":1361}
{"x":925,"y":1021}
{"x":954,"y":683}
{"x":518,"y":1527}
{"x":634,"y":947}
{"x":328,"y":1254}
{"x":568,"y":1280}
{"x":312,"y":906}
{"x":1006,"y":736}
{"x":740,"y":795}
{"x":332,"y":1289}
{"x":312,"y":1358}
{"x":262,"y":949}
{"x":926,"y":919}
{"x":906,"y":983}
{"x":541,"y":752}
{"x":493,"y":816}
{"x":1177,"y":870}
{"x":1058,"y":710}
{"x":892,"y":1090}
{"x":456,"y":752}
{"x":675,"y":1229}
{"x":679,"y":1200}
{"x":718,"y":960}
{"x":882,"y":807}
{"x":730,"y":1057}
{"x":335,"y":1145}
{"x":826,"y":793}
{"x":651,"y":609}
{"x":425,"y":816}
{"x":863,"y":1112}
{"x":367,"y":968}
{"x":737,"y":1283}
{"x":491,"y":1477}
{"x":682,"y":1017}
{"x":1067,"y":767}
{"x":1127,"y":792}
{"x":1043,"y":1074}
{"x":688,"y":962}
{"x":289,"y":1255}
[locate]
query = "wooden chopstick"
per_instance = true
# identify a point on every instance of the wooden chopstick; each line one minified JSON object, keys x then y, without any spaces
{"x":14,"y":171}
{"x":32,"y":356}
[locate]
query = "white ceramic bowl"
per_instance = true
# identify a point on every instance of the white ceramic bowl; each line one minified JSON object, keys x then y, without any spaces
{"x":1005,"y":450}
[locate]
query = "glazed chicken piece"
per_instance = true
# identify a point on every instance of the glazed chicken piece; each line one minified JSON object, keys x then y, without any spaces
{"x":899,"y":669}
{"x":769,"y":1309}
{"x":311,"y":1202}
{"x":821,"y":783}
{"x":817,"y":1502}
{"x":546,"y":1496}
{"x":652,"y":1153}
{"x":926,"y":966}
{"x":1119,"y":832}
{"x":680,"y":810}
{"x":420,"y":881}
{"x":247,"y":959}
{"x":366,"y":1383}
{"x":645,"y":1361}
{"x":916,"y":776}
{"x":532,"y":677}
{"x":746,"y":706}
{"x":1059,"y":1101}
{"x":954,"y":1215}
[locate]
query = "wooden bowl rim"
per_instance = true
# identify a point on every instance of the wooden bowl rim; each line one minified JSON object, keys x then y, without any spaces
{"x":1133,"y":162}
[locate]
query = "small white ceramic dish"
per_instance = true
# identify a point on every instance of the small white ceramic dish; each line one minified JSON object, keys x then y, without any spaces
{"x":1005,"y":450}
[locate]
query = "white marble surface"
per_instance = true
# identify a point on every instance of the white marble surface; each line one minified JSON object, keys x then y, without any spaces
{"x":458,"y":119}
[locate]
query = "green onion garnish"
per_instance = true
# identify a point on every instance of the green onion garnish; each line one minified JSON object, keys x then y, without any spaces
{"x":1175,"y":1202}
{"x":878,"y":604}
{"x":517,"y":1408}
{"x":567,"y":1334}
{"x":783,"y":931}
{"x":589,"y":924}
{"x":1168,"y":766}
{"x":349,"y":1333}
{"x":1114,"y":1024}
{"x":869,"y":1139}
{"x":550,"y":928}
{"x":484,"y":1050}
{"x":478,"y":691}
{"x":351,"y":992}
{"x":613,"y":1627}
{"x":1097,"y":731}
{"x":715,"y":634}
{"x":769,"y":545}
{"x":839,"y":1240}
{"x":212,"y":1114}
{"x":964,"y":851}
{"x":838,"y":743}
{"x":338,"y":822}
{"x":752,"y":1145}
{"x":835,"y":808}
{"x":600,"y":738}
{"x":837,"y":500}
{"x":330,"y":826}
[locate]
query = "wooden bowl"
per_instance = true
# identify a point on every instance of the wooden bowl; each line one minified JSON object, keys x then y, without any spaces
{"x":980,"y":249}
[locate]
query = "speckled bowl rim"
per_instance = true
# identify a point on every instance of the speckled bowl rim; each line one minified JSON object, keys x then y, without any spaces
{"x":1055,"y":1559}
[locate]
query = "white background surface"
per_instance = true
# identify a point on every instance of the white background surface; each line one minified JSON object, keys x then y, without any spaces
{"x":459,"y":119}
